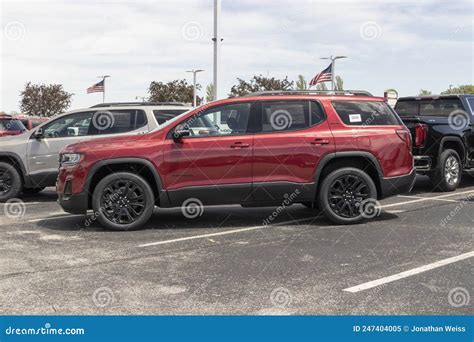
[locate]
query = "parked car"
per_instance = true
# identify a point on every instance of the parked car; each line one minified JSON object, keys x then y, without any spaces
{"x":10,"y":125}
{"x":443,"y":136}
{"x":31,"y":122}
{"x":29,"y":162}
{"x":338,"y":151}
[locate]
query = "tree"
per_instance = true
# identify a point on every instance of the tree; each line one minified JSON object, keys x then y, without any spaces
{"x":461,"y":89}
{"x":210,"y":92}
{"x":259,"y":83}
{"x":301,"y":83}
{"x":321,"y":86}
{"x":174,"y":91}
{"x":424,"y":92}
{"x":44,"y":100}
{"x":339,"y":83}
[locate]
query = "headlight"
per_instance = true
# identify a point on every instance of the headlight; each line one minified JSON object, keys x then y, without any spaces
{"x":68,"y":159}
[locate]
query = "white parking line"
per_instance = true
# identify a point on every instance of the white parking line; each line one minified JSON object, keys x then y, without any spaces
{"x":433,"y":199}
{"x":405,"y":274}
{"x":426,"y":199}
{"x":233,"y":231}
{"x":54,"y":217}
{"x":16,"y":203}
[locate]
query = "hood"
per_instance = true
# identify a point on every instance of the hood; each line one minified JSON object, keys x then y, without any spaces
{"x":106,"y":144}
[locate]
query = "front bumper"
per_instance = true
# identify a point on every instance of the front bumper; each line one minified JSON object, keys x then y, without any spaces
{"x":397,"y":185}
{"x":74,"y":204}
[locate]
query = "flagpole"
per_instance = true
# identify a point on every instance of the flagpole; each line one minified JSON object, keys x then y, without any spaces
{"x":103,"y":80}
{"x":333,"y":68}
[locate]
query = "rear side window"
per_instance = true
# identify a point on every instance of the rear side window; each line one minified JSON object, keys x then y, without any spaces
{"x":290,"y":115}
{"x":117,"y":121}
{"x":365,"y":113}
{"x":11,"y":125}
{"x":428,"y":107}
{"x":164,"y":115}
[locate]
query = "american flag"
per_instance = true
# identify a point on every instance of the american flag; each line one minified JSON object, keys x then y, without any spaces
{"x":323,"y":76}
{"x":96,"y":88}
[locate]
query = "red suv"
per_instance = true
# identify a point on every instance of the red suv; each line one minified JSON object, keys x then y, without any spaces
{"x":10,"y":126}
{"x":331,"y":151}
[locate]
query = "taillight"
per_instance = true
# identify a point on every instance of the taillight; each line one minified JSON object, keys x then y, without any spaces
{"x":421,"y":133}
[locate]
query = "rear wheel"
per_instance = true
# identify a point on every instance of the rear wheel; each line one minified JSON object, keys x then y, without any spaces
{"x":447,"y":175}
{"x":10,"y":182}
{"x":123,"y":201}
{"x":344,"y":193}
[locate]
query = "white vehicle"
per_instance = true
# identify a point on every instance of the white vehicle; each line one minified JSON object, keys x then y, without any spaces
{"x":29,"y":162}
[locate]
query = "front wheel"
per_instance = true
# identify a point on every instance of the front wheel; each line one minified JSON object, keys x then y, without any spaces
{"x":123,"y":201}
{"x":345,"y":194}
{"x":447,"y":175}
{"x":10,"y":182}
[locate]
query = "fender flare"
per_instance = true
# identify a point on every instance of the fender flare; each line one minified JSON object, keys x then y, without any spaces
{"x":337,"y":155}
{"x":457,"y":140}
{"x":162,"y":194}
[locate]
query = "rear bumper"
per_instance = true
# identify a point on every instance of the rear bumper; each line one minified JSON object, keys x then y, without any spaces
{"x":74,"y":204}
{"x":397,"y":185}
{"x":422,"y":163}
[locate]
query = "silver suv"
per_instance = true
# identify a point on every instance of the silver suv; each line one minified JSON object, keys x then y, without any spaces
{"x":29,"y":162}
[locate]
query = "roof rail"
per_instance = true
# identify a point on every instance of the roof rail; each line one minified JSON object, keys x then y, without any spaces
{"x":119,"y":104}
{"x":310,"y":92}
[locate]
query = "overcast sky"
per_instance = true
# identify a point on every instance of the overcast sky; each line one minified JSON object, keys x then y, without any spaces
{"x":406,"y":45}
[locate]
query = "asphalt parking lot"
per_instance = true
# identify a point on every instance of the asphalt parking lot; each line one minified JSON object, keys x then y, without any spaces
{"x":415,"y":258}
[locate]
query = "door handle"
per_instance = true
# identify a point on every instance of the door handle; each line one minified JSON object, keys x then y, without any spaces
{"x":319,"y":141}
{"x":239,"y":145}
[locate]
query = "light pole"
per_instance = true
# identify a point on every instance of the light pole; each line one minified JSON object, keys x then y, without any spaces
{"x":217,"y":43}
{"x":103,"y":93}
{"x":333,"y":68}
{"x":194,"y":84}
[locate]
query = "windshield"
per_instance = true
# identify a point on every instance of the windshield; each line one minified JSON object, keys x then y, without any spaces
{"x":163,"y":115}
{"x":11,"y":125}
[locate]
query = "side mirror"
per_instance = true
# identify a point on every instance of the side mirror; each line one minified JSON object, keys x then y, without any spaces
{"x":39,"y":134}
{"x":181,"y":132}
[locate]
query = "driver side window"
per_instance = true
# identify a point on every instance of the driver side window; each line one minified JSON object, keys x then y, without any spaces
{"x":74,"y":125}
{"x":224,"y":120}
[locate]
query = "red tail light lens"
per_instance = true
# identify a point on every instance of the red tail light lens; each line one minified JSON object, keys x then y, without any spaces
{"x":421,"y":133}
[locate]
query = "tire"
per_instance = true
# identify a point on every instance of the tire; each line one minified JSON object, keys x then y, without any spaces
{"x":32,"y":190}
{"x":113,"y":201}
{"x":447,"y":180}
{"x":11,"y":182}
{"x":333,"y":192}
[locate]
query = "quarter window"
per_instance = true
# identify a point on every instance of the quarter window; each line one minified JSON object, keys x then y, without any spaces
{"x":366,"y":113}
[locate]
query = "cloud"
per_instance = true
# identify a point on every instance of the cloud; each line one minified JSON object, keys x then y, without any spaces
{"x":423,"y":44}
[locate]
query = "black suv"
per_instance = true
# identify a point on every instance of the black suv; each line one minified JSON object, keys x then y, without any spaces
{"x":443,"y":136}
